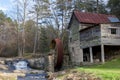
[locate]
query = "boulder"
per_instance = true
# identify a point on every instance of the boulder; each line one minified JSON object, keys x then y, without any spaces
{"x":3,"y":67}
{"x":38,"y":63}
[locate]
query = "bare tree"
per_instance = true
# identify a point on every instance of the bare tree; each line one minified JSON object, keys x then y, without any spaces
{"x":40,"y":10}
{"x":24,"y":19}
{"x":62,"y":11}
{"x":22,"y":9}
{"x":18,"y":25}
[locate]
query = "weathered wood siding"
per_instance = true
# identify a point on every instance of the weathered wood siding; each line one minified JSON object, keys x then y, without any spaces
{"x":84,"y":26}
{"x":106,"y":37}
{"x":90,"y":37}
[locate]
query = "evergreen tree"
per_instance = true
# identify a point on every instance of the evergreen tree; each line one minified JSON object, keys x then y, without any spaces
{"x":96,"y":6}
{"x":44,"y":47}
{"x":4,"y":18}
{"x":114,"y":7}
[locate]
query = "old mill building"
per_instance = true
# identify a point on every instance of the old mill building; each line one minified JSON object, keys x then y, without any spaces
{"x":93,"y":37}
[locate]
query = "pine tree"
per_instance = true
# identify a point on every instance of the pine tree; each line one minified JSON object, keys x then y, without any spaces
{"x":44,"y":47}
{"x":96,"y":6}
{"x":114,"y":7}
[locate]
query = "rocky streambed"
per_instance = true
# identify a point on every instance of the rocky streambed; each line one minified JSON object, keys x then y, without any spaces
{"x":22,"y":69}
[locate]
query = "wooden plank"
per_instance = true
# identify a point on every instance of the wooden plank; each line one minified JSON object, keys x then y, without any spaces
{"x":102,"y":54}
{"x":91,"y":55}
{"x":106,"y":36}
{"x":90,"y":37}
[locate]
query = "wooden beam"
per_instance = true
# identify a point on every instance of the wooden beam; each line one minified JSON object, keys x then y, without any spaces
{"x":102,"y":53}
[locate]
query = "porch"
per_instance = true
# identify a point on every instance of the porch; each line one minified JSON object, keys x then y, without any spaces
{"x":101,"y":53}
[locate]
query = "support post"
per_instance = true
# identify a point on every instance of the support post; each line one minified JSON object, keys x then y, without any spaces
{"x":91,"y":55}
{"x":51,"y":62}
{"x":102,"y":53}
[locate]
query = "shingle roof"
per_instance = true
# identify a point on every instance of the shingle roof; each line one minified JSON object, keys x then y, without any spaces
{"x":86,"y":17}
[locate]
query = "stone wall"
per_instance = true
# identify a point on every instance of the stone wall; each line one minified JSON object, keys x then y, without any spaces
{"x":76,"y":52}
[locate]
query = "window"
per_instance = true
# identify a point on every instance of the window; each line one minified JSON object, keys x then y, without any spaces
{"x":113,"y":31}
{"x":73,"y":51}
{"x":70,"y":32}
{"x":70,"y":39}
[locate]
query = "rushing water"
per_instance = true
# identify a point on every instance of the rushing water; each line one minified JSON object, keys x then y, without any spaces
{"x":21,"y":65}
{"x":24,"y":65}
{"x":18,"y":65}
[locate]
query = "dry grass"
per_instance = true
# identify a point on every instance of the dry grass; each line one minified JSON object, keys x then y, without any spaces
{"x":10,"y":76}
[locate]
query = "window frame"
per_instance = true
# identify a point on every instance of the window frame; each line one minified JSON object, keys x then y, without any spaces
{"x":113,"y":31}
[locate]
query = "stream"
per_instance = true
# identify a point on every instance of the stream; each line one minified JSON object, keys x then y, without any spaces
{"x":30,"y":74}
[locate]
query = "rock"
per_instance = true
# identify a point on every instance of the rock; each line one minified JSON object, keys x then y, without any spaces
{"x":2,"y":62}
{"x":36,"y":71}
{"x":20,"y":71}
{"x":3,"y":67}
{"x":38,"y":63}
{"x":51,"y":76}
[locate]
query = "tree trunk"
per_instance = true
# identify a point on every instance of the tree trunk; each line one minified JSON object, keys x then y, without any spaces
{"x":97,"y":6}
{"x":23,"y":33}
{"x":36,"y":34}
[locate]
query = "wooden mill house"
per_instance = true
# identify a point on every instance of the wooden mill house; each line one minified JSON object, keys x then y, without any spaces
{"x":93,"y":36}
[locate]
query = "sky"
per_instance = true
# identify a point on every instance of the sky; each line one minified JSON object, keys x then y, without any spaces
{"x":7,"y":7}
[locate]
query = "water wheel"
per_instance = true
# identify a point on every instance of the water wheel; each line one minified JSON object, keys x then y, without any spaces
{"x":57,"y":46}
